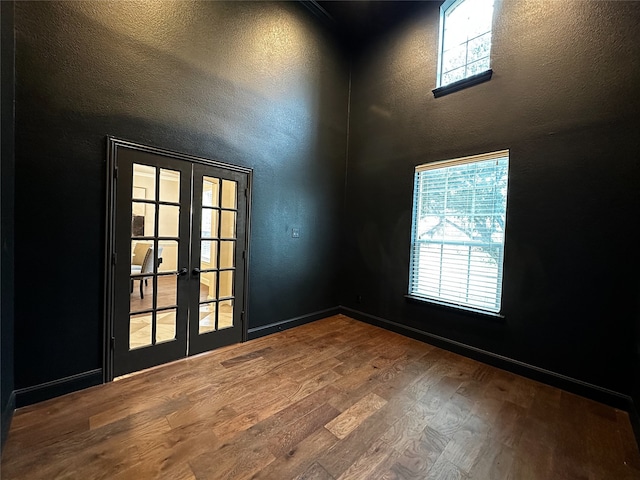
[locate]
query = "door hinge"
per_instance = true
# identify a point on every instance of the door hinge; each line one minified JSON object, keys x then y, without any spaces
{"x":115,"y":172}
{"x":246,"y":192}
{"x":242,"y":316}
{"x":244,"y":254}
{"x":113,"y":343}
{"x":114,"y":258}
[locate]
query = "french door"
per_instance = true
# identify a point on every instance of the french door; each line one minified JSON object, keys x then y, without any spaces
{"x":178,"y":239}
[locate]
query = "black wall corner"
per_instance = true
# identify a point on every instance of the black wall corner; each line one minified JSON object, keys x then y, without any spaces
{"x":634,"y":418}
{"x":290,"y":323}
{"x":7,"y":215}
{"x":56,"y":388}
{"x":5,"y":420}
{"x":634,"y":412}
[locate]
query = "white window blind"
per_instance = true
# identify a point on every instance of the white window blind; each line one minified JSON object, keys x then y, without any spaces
{"x":457,"y":239}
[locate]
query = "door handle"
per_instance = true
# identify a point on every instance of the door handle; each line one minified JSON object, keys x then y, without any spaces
{"x":196,"y":271}
{"x":182,"y":272}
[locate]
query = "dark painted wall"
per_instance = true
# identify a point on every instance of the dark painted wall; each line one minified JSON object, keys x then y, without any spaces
{"x":254,"y":84}
{"x":564,"y":99}
{"x":635,"y":379}
{"x":260,"y":85}
{"x":6,"y":208}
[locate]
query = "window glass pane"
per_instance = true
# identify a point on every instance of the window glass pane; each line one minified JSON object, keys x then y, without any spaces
{"x":225,"y":314}
{"x":229,"y":194}
{"x":458,"y":232}
{"x":208,"y":286}
{"x":169,"y":186}
{"x":455,"y":32}
{"x":141,"y":280}
{"x":209,"y":225}
{"x":144,"y":182}
{"x":138,"y":251}
{"x":458,"y":14}
{"x":141,"y":292}
{"x":165,"y":325}
{"x":454,"y":58}
{"x":168,"y":256}
{"x":210,"y":188}
{"x":140,"y":330}
{"x":226,"y":283}
{"x":228,"y":224}
{"x":168,"y":221}
{"x":207,"y":321}
{"x":208,"y":252}
{"x":226,"y":254}
{"x":454,"y":38}
{"x":143,"y":219}
{"x":479,"y":47}
{"x":167,"y":291}
{"x":453,"y":76}
{"x":480,"y":17}
{"x":478,"y":67}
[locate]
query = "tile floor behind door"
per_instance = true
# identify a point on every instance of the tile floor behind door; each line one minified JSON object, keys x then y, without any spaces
{"x":140,"y":325}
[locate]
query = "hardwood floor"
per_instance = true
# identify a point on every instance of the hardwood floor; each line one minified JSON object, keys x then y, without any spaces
{"x":335,"y":399}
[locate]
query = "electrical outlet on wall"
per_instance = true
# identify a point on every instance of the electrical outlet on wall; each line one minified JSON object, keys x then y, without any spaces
{"x":295,"y":232}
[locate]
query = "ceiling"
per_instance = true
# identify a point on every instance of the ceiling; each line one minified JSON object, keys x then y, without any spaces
{"x":358,"y":21}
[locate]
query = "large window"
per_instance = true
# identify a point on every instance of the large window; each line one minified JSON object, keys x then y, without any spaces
{"x":465,"y":39}
{"x":457,"y":239}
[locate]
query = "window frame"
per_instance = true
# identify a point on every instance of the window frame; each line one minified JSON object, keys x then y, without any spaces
{"x":467,"y":81}
{"x":413,"y":265}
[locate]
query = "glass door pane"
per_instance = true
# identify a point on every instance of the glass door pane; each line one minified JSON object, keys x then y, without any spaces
{"x":219,"y":216}
{"x":155,"y":225}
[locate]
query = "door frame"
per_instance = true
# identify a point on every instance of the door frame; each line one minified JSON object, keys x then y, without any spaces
{"x":113,"y":144}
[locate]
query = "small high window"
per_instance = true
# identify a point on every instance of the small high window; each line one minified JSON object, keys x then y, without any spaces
{"x":465,"y":39}
{"x":457,"y":238}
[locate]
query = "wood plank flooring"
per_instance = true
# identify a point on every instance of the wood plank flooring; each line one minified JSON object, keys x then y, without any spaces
{"x":335,"y":399}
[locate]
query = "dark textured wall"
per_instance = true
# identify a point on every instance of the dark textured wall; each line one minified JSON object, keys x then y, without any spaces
{"x":255,"y":84}
{"x":7,"y":213}
{"x":260,"y":85}
{"x":635,"y":378}
{"x":564,"y":99}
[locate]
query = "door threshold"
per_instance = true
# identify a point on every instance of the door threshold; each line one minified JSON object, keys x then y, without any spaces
{"x":151,"y":369}
{"x":180,"y":360}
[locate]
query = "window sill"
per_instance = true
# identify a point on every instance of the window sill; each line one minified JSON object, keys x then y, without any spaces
{"x":462,"y":84}
{"x":496,"y":317}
